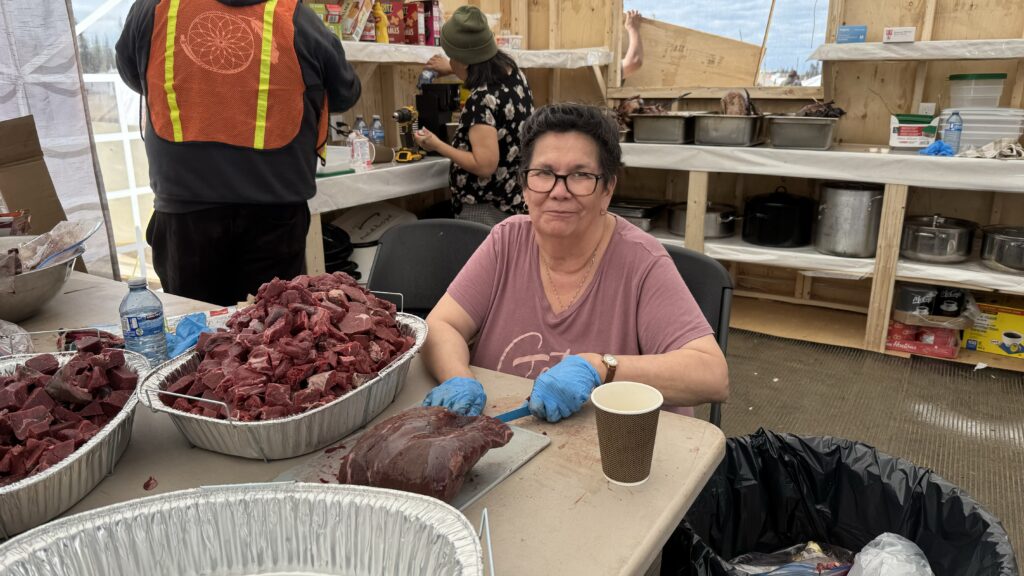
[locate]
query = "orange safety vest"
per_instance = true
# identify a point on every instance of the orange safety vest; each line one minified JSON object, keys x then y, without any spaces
{"x":226,"y":74}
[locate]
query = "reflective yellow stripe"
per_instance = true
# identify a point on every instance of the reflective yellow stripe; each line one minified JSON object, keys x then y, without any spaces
{"x":172,"y":98}
{"x":261,"y":103}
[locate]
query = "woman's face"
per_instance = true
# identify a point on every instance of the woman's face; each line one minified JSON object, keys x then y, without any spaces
{"x":460,"y":69}
{"x":560,"y":213}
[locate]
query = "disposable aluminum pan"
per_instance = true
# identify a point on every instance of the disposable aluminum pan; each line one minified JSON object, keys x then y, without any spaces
{"x":723,"y":130}
{"x":285,"y":437}
{"x":802,"y":132}
{"x":44,"y":496}
{"x":278,"y":528}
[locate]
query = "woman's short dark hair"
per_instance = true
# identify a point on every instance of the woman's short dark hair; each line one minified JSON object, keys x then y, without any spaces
{"x":490,"y":72}
{"x":597,"y":123}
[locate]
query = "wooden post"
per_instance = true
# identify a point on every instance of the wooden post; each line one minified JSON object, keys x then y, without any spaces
{"x":315,"y":262}
{"x":922,"y":67}
{"x":829,"y":70}
{"x":554,"y":42}
{"x":696,"y":206}
{"x":615,"y":68}
{"x":764,"y":43}
{"x":519,"y":19}
{"x":883,"y":283}
{"x":1017,"y":96}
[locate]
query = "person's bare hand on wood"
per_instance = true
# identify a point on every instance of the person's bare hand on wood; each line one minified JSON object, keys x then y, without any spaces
{"x":439,"y":64}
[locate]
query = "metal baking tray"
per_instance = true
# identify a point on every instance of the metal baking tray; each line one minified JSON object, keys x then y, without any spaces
{"x":802,"y":132}
{"x":723,"y":130}
{"x":295,"y":435}
{"x":665,"y":128}
{"x":276,"y":528}
{"x":44,"y":496}
{"x":636,"y":207}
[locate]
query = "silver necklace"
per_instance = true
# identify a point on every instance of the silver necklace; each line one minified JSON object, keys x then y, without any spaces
{"x":583,"y":280}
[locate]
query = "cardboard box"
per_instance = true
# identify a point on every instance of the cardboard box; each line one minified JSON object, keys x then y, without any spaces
{"x":998,"y":330}
{"x":912,"y":130}
{"x":355,"y":15}
{"x":933,"y":342}
{"x":395,"y":12}
{"x":332,"y":13}
{"x":896,"y":34}
{"x":415,"y":25}
{"x":433,"y":22}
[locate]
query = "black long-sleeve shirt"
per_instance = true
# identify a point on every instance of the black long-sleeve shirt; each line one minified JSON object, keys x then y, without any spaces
{"x":188,"y":176}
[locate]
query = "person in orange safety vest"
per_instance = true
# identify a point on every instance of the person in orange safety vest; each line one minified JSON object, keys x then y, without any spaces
{"x":237,"y":95}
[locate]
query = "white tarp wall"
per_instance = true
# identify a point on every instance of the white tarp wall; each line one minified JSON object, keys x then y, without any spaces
{"x":40,"y":75}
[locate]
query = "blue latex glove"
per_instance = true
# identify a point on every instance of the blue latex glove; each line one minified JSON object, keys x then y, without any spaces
{"x":938,"y":148}
{"x":561,"y":391}
{"x":461,"y":395}
{"x":186,"y":334}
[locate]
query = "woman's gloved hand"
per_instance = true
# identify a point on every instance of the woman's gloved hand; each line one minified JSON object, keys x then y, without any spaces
{"x":461,"y":395}
{"x":561,"y":391}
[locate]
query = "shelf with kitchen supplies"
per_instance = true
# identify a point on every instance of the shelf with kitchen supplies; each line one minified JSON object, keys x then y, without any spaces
{"x":994,"y":49}
{"x":375,"y":53}
{"x":972,"y":275}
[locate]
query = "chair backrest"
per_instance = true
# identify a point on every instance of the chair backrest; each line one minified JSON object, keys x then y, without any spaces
{"x":711,"y":286}
{"x":420,"y":259}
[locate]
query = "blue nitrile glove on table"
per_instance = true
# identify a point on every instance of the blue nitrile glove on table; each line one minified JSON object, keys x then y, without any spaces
{"x":186,"y":334}
{"x":460,"y":395}
{"x":564,"y":389}
{"x":938,"y":148}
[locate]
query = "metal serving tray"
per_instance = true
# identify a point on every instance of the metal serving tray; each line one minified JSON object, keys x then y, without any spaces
{"x":295,"y":435}
{"x":666,"y":128}
{"x":44,"y":496}
{"x":722,"y":130}
{"x":802,"y":132}
{"x":277,"y":528}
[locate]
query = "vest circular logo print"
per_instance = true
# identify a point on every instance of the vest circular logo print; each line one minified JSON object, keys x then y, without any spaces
{"x":221,"y":42}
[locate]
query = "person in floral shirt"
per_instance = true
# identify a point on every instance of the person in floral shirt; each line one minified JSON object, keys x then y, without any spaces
{"x":485,"y":154}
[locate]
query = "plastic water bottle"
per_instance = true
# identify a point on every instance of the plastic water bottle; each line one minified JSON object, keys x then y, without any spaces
{"x":361,"y":126}
{"x":954,"y":128}
{"x":377,"y":131}
{"x":362,"y":155}
{"x":142,"y":322}
{"x":426,"y":77}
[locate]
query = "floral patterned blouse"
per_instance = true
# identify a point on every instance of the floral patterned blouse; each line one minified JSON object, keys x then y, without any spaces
{"x":504,"y":106}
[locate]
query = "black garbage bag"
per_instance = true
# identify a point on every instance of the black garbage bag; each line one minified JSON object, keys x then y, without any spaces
{"x":775,"y":490}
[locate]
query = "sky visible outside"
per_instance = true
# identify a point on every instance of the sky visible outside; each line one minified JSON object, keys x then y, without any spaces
{"x":798,"y":26}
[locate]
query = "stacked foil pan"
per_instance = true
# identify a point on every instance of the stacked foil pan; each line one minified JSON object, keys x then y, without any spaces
{"x":44,"y":496}
{"x":295,"y":435}
{"x":278,"y":528}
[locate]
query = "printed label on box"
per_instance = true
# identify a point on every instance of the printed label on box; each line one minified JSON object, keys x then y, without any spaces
{"x":998,"y":330}
{"x":851,"y":34}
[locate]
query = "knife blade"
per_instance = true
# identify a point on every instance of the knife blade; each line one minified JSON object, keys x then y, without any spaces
{"x":516,"y":414}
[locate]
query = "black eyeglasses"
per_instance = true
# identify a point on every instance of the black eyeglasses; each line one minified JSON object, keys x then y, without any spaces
{"x":543,"y":181}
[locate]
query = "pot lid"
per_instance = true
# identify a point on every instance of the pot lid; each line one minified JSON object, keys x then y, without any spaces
{"x":853,"y":186}
{"x":1008,"y":232}
{"x":781,"y":199}
{"x":713,"y":208}
{"x":939,"y":222}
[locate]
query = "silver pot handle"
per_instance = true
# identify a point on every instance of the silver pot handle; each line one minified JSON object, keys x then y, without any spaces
{"x":926,"y":234}
{"x":725,"y":219}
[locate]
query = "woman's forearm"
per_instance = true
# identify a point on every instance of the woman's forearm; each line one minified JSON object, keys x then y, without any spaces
{"x":465,"y":159}
{"x":685,"y":377}
{"x":445,"y":352}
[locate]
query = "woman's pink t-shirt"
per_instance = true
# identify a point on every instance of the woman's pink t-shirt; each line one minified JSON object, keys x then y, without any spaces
{"x":636,"y":304}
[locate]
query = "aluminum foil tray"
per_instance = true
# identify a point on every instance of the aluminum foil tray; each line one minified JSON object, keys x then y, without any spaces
{"x":276,"y":528}
{"x":44,"y":496}
{"x":295,"y":435}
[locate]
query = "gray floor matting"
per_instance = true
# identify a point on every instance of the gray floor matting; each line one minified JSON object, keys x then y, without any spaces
{"x":966,"y":425}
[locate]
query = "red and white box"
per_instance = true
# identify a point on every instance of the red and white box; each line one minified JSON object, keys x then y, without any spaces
{"x":415,"y":25}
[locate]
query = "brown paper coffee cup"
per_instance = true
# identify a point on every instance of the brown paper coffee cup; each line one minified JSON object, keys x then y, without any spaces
{"x":627,"y":423}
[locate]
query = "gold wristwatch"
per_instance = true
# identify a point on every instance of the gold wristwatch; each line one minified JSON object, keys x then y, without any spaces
{"x":610,"y":363}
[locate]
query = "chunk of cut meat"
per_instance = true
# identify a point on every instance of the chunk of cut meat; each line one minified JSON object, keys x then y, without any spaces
{"x":44,"y":363}
{"x":427,"y":450}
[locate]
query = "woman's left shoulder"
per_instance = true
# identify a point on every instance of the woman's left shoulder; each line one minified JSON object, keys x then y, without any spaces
{"x":636,"y":245}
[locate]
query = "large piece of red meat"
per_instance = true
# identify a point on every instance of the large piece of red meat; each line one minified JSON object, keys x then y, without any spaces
{"x":426,"y":450}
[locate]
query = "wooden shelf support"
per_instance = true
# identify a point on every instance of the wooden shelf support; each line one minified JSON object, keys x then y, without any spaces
{"x":696,"y":205}
{"x":893,"y":208}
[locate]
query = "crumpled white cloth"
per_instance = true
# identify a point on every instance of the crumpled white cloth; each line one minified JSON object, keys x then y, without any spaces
{"x":1005,"y":148}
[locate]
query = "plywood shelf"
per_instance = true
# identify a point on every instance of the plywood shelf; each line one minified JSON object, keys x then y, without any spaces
{"x":846,"y":162}
{"x":1008,"y":49}
{"x":371,"y":52}
{"x":799,"y":322}
{"x":972,"y":275}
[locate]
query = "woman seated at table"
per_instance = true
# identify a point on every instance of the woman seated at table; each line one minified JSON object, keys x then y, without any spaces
{"x":571,"y":295}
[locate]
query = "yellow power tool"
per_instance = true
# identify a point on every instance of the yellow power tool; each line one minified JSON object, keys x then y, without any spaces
{"x":408,"y":123}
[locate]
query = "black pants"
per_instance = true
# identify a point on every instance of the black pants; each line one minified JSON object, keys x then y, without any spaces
{"x":221,"y":255}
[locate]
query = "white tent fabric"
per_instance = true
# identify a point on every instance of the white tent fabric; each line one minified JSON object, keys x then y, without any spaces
{"x":40,"y":75}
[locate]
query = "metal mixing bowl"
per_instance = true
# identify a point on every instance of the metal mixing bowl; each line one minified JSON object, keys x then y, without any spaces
{"x":32,"y":290}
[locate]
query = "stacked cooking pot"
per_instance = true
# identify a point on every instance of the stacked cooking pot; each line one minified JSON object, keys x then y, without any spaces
{"x":950,"y":240}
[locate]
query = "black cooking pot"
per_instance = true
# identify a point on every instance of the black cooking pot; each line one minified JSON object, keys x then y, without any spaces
{"x":779,"y":219}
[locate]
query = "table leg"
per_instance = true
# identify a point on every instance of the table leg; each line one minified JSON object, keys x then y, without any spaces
{"x":315,"y":247}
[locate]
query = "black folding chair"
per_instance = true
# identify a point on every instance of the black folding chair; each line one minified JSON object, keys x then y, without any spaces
{"x":420,"y":259}
{"x":711,"y":286}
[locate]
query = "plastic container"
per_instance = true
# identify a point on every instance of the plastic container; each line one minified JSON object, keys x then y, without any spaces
{"x":968,"y":90}
{"x":801,"y":132}
{"x":377,"y":130}
{"x":361,"y":126}
{"x":362,"y":151}
{"x":142,"y":322}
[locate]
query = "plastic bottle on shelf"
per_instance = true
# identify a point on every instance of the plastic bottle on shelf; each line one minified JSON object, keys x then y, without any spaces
{"x":361,"y":126}
{"x":377,"y":130}
{"x":954,"y":129}
{"x":362,"y":153}
{"x":142,"y":322}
